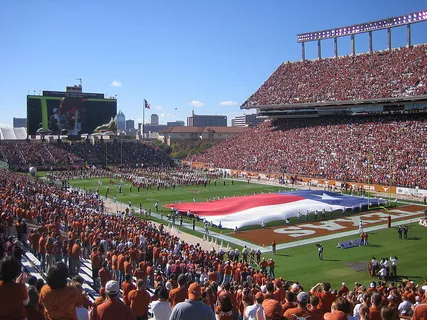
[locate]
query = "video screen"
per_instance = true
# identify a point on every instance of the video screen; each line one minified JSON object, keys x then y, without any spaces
{"x":69,"y":115}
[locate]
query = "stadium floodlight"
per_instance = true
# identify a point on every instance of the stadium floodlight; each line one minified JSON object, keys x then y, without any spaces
{"x":364,"y":27}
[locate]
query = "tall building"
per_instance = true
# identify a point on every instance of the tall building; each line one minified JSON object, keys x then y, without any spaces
{"x":196,"y":120}
{"x":130,"y":124}
{"x":245,"y":120}
{"x":121,"y":121}
{"x":178,"y":123}
{"x":154,"y":119}
{"x":19,"y":122}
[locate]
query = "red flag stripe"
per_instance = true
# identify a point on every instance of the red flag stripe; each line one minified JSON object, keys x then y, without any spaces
{"x":232,"y":205}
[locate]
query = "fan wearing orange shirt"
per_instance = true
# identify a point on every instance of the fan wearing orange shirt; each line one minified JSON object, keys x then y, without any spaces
{"x":121,"y":266}
{"x":127,"y":286}
{"x":179,"y":294}
{"x":263,"y":265}
{"x":127,"y":265}
{"x":212,"y":276}
{"x":96,"y":263}
{"x":139,"y":300}
{"x":112,"y":308}
{"x":228,"y":270}
{"x":326,"y":297}
{"x":420,"y":312}
{"x":375,"y":309}
{"x":42,"y":251}
{"x":13,"y":292}
{"x":141,"y":272}
{"x":104,"y":274}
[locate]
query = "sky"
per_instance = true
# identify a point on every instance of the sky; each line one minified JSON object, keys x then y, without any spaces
{"x":206,"y":56}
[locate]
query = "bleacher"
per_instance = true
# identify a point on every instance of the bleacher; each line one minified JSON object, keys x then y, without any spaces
{"x":31,"y":265}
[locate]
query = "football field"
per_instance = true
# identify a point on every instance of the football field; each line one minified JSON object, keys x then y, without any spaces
{"x":298,"y":263}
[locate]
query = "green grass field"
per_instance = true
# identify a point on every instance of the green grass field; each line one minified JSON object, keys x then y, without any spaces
{"x":300,"y":263}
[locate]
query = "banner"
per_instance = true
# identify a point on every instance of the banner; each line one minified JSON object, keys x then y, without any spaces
{"x":415,"y":192}
{"x":349,"y":244}
{"x":316,"y":181}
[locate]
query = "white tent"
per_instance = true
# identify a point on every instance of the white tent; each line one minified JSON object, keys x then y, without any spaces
{"x":9,"y":133}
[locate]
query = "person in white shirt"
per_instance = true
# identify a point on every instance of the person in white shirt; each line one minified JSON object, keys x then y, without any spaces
{"x":203,"y":275}
{"x":161,"y":308}
{"x":394,"y":261}
{"x":361,"y":226}
{"x":383,"y":273}
{"x":387,"y":266}
{"x":364,"y":301}
{"x":405,"y":307}
{"x":251,"y":311}
{"x":374,"y":263}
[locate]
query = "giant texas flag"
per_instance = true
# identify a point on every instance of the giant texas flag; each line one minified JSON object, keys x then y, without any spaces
{"x":253,"y":210}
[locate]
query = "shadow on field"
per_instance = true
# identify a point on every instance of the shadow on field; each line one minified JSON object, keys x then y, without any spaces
{"x":331,"y":260}
{"x":283,"y":255}
{"x":405,"y":278}
{"x":375,"y":245}
{"x":413,"y":238}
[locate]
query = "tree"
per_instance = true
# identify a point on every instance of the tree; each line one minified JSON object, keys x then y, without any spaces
{"x":167,"y":149}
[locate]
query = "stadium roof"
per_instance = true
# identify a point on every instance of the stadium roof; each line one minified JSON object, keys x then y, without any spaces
{"x":334,"y":104}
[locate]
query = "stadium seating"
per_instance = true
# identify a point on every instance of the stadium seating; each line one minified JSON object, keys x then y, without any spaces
{"x":23,"y":153}
{"x":342,"y":148}
{"x":128,"y":152}
{"x":383,"y":74}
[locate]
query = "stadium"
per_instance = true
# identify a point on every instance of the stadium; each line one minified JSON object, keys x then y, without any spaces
{"x":332,"y":178}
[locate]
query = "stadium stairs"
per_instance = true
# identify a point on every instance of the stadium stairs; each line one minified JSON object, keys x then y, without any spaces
{"x":31,"y":265}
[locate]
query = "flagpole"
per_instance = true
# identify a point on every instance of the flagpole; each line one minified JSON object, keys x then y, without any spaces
{"x":143,"y":118}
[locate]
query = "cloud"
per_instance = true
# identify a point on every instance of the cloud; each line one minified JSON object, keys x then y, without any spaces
{"x":159,"y":107}
{"x":166,"y":115}
{"x":116,"y":83}
{"x":228,"y":103}
{"x":196,"y":103}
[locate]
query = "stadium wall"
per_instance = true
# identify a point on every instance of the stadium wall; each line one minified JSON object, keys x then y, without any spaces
{"x":313,"y":181}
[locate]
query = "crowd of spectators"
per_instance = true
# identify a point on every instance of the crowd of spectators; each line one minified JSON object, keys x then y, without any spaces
{"x":24,"y":153}
{"x":117,"y":152}
{"x":379,"y":149}
{"x":384,"y":74}
{"x":132,"y":254}
{"x":28,"y":153}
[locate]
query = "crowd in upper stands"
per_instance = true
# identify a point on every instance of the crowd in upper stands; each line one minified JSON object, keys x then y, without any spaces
{"x":126,"y":152}
{"x":23,"y":153}
{"x":128,"y":255}
{"x":384,"y":74}
{"x":26,"y":153}
{"x":375,"y":149}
